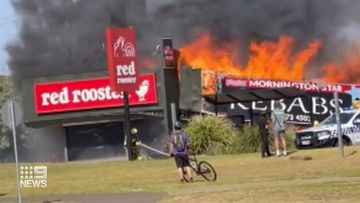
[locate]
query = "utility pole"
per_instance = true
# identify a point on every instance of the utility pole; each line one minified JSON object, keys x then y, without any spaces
{"x":13,"y":129}
{"x":338,"y":124}
{"x":126,"y":126}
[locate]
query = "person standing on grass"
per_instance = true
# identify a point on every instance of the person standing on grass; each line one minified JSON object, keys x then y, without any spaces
{"x":263,"y":131}
{"x":134,"y":143}
{"x":179,"y":142}
{"x":278,"y":126}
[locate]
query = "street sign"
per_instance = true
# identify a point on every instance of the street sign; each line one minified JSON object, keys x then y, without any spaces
{"x":121,"y":57}
{"x":12,"y":116}
{"x":5,"y":116}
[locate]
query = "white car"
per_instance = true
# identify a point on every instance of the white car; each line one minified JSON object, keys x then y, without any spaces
{"x":325,"y":134}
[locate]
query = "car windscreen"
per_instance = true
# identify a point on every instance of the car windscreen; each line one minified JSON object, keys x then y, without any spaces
{"x":344,"y":118}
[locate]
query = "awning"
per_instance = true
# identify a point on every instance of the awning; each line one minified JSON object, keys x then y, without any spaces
{"x":249,"y":95}
{"x":95,"y":117}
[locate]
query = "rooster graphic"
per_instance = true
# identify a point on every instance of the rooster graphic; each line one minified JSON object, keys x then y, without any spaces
{"x":127,"y":48}
{"x":143,"y":90}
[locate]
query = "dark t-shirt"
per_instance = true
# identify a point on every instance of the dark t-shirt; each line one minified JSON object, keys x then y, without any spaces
{"x":262,"y":122}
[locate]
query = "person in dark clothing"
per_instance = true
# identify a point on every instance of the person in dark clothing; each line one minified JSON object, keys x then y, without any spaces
{"x":134,"y":142}
{"x":263,"y":131}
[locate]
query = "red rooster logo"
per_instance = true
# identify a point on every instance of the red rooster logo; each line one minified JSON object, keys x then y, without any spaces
{"x":127,"y":49}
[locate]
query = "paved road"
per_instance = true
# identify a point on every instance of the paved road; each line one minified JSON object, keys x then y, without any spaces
{"x":129,"y":197}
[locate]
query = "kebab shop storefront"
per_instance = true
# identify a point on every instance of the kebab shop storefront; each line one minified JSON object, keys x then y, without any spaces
{"x":77,"y":117}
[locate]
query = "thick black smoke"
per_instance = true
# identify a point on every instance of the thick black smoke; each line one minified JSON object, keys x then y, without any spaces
{"x":63,"y":36}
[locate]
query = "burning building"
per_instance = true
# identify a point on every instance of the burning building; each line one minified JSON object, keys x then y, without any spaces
{"x":257,"y":42}
{"x":83,"y":115}
{"x":270,"y":65}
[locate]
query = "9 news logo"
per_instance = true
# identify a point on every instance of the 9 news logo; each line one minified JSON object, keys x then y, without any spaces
{"x":33,"y":176}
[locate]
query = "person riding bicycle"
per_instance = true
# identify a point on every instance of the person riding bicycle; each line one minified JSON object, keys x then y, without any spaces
{"x":179,"y":149}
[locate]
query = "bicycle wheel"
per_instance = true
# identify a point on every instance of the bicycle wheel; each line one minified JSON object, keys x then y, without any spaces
{"x":207,"y":171}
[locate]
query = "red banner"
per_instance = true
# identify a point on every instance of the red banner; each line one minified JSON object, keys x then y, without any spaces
{"x":94,"y":93}
{"x":306,"y":86}
{"x":121,"y":57}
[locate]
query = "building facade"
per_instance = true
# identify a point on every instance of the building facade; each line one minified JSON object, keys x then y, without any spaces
{"x":77,"y":117}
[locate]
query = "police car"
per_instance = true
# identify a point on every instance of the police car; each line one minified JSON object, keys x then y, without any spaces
{"x":325,"y":134}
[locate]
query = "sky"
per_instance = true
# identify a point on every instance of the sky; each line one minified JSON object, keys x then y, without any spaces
{"x":8,"y":32}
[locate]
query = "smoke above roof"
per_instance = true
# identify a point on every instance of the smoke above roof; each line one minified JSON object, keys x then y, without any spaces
{"x":65,"y":37}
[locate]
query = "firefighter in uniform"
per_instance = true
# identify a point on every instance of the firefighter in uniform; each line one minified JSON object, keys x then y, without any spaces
{"x":134,"y":143}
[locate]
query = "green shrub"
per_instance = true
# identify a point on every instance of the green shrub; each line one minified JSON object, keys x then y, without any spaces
{"x":211,"y":134}
{"x":290,"y":138}
{"x":215,"y":135}
{"x":247,"y":140}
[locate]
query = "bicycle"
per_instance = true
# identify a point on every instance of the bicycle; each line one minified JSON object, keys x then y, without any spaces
{"x":202,"y":168}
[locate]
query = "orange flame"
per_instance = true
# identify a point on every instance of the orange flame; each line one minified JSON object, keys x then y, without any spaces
{"x":348,"y":71}
{"x":208,"y":82}
{"x":267,"y":59}
{"x":270,"y":60}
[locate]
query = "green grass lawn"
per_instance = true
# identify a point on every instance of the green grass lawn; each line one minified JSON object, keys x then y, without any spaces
{"x":241,"y":178}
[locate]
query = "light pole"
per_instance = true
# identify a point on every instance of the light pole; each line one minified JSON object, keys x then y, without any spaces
{"x":12,"y":120}
{"x":338,"y":125}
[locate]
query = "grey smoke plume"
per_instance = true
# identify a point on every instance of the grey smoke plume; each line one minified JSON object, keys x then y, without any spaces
{"x":63,"y":36}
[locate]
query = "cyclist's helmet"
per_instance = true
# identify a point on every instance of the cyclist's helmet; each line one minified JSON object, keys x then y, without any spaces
{"x":134,"y":131}
{"x":177,"y":125}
